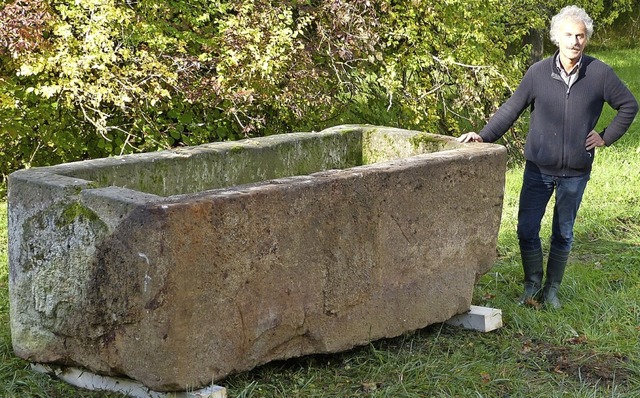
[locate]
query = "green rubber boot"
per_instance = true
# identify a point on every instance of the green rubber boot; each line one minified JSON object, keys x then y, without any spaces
{"x":532,"y":266}
{"x":555,"y":271}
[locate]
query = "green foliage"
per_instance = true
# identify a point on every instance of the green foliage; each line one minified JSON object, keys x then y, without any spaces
{"x":586,"y":349}
{"x":93,"y":78}
{"x":624,"y":33}
{"x":440,"y":72}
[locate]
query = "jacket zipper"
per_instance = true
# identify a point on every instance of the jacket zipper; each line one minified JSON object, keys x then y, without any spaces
{"x":564,"y":132}
{"x":564,"y":121}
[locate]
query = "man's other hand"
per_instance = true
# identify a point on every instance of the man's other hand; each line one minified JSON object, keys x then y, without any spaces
{"x":593,"y":140}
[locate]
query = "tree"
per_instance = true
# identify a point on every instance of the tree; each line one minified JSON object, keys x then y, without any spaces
{"x":93,"y":78}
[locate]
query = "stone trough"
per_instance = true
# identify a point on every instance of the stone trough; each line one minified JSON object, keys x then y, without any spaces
{"x":179,"y":268}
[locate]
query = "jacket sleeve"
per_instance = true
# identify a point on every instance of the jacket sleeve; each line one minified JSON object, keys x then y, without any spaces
{"x":620,"y":98}
{"x":509,"y":112}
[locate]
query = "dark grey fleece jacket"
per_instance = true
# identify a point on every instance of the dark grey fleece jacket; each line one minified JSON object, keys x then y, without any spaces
{"x":562,"y":117}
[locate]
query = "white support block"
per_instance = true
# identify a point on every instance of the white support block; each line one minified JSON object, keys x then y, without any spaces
{"x":91,"y":381}
{"x":483,"y":319}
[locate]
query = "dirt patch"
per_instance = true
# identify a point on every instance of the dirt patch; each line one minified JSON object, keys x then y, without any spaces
{"x":578,"y":362}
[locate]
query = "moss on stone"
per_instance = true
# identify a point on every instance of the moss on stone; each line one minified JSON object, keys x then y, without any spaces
{"x":427,"y":143}
{"x":254,"y":161}
{"x":381,"y":147}
{"x":237,"y":149}
{"x":75,"y":211}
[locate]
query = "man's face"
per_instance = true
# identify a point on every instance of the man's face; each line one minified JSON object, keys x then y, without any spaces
{"x":572,"y":39}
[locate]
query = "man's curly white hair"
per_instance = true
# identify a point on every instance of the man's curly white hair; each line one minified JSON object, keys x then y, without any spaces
{"x":574,"y":13}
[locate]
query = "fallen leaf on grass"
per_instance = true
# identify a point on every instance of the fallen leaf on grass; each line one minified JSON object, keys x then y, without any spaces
{"x":577,"y":340}
{"x":489,"y":296}
{"x":370,"y":387}
{"x":558,"y":370}
{"x":526,"y":348}
{"x":531,"y":302}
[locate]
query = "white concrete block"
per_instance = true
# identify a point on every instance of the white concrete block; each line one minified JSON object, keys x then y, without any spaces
{"x":483,"y":319}
{"x":91,"y":381}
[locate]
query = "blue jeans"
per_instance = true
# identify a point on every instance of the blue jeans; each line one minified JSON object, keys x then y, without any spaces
{"x":537,"y":189}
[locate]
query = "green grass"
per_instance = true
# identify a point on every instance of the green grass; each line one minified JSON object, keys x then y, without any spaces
{"x":589,"y":348}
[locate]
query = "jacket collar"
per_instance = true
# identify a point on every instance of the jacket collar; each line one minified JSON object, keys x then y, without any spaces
{"x":585,"y":60}
{"x":560,"y":67}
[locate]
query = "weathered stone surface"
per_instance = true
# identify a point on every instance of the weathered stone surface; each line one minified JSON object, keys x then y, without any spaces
{"x":179,"y":268}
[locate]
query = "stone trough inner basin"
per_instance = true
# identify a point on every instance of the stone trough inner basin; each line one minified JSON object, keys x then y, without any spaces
{"x":179,"y":268}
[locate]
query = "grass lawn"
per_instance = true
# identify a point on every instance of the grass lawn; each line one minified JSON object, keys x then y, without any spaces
{"x":589,"y":348}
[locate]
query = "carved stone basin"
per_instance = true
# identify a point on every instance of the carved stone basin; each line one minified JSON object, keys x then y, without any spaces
{"x":178,"y":268}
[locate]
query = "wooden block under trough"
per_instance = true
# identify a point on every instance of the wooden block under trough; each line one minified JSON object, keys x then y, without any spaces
{"x":483,"y":319}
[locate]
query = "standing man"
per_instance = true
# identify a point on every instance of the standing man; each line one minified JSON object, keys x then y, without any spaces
{"x":565,"y":93}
